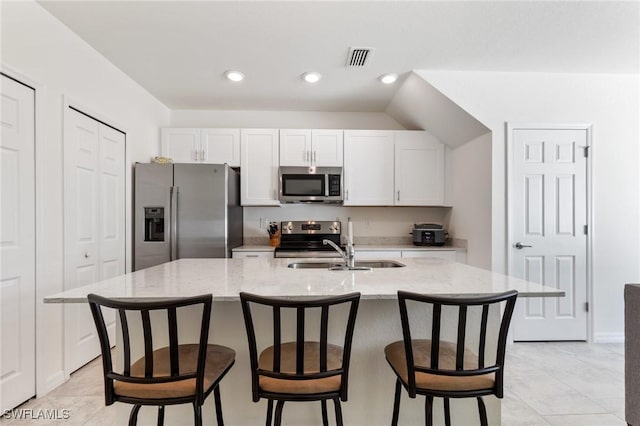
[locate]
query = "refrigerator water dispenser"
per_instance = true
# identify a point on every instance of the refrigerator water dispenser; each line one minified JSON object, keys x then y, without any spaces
{"x":154,"y":223}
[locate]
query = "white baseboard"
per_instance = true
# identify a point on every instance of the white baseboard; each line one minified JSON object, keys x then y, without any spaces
{"x":53,"y":381}
{"x":608,"y":338}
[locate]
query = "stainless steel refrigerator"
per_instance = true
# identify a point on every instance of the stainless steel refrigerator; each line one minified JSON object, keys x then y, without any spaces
{"x":185,"y":211}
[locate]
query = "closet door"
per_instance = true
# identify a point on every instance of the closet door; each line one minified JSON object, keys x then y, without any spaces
{"x":17,"y":245}
{"x":94,"y":224}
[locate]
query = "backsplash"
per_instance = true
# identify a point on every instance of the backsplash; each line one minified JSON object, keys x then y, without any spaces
{"x":390,"y":225}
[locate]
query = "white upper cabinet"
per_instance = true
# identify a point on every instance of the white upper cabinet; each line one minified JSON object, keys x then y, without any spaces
{"x":302,"y":147}
{"x":419,"y":169}
{"x":190,"y":145}
{"x":327,"y":148}
{"x":220,"y":146}
{"x":295,"y":147}
{"x":368,"y":168}
{"x":259,"y":157}
{"x":182,"y":145}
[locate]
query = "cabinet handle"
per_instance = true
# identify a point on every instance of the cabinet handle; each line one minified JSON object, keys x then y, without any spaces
{"x":194,"y":154}
{"x":252,"y":255}
{"x":398,"y":195}
{"x":346,"y":194}
{"x":315,"y":157}
{"x":202,"y":158}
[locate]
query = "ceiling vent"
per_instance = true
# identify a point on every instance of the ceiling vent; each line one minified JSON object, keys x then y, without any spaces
{"x":359,"y":56}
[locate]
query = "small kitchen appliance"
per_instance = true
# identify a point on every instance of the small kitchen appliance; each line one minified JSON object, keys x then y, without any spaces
{"x":429,"y":234}
{"x":303,"y":239}
{"x":310,"y":184}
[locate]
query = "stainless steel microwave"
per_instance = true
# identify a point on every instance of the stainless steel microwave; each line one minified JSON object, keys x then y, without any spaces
{"x":310,"y":184}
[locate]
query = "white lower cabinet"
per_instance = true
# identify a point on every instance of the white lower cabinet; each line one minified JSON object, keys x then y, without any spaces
{"x":249,"y":254}
{"x":377,"y":254}
{"x":453,"y":255}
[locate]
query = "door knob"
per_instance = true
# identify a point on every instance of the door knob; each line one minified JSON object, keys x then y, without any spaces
{"x":86,"y":255}
{"x":520,"y":246}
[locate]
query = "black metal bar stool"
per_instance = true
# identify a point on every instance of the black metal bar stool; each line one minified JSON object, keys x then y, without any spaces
{"x":438,"y":368}
{"x":300,"y":370}
{"x":176,"y":374}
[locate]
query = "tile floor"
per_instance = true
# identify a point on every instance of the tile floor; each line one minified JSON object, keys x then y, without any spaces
{"x":546,"y":384}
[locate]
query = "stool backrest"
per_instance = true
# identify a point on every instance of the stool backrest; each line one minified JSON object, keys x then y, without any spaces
{"x":463,"y":304}
{"x":300,"y":306}
{"x":96,"y":304}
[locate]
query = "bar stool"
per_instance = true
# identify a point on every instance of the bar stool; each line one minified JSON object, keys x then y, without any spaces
{"x":438,"y":368}
{"x":176,"y":374}
{"x":300,"y":370}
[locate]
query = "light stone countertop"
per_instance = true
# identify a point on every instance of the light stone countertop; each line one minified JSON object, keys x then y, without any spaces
{"x":225,"y":278}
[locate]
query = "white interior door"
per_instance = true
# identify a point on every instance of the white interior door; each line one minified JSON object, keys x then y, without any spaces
{"x":549,"y":241}
{"x":17,"y":244}
{"x":94,"y":223}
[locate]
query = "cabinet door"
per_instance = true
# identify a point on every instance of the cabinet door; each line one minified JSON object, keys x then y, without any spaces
{"x":295,"y":147}
{"x":182,"y":145}
{"x":327,"y":148}
{"x":250,"y":254}
{"x":419,"y":169}
{"x":442,"y":254}
{"x":259,"y":164}
{"x":377,"y":254}
{"x":368,"y":168}
{"x":220,"y":146}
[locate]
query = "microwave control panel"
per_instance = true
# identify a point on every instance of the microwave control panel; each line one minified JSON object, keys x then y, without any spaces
{"x":334,"y":185}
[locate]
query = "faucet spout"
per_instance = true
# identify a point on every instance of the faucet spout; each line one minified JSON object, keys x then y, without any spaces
{"x":348,"y":256}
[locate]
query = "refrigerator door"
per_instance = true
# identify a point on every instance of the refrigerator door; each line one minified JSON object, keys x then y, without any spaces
{"x":152,"y":214}
{"x":201,"y":210}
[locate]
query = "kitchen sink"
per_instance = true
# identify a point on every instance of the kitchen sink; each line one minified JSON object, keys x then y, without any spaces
{"x":339,"y":266}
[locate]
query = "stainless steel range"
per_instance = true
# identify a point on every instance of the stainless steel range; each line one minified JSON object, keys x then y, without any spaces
{"x":304,"y":239}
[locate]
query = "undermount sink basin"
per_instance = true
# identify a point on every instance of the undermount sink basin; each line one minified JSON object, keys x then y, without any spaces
{"x":364,"y":265}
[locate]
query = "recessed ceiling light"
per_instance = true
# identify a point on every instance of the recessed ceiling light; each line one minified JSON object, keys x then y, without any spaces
{"x":234,"y":75}
{"x":388,"y":78}
{"x":311,"y":77}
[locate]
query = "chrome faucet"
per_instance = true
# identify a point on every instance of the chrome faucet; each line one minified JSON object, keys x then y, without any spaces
{"x":349,"y":255}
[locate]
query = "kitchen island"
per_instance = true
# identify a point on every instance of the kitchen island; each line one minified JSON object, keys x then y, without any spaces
{"x":371,"y":380}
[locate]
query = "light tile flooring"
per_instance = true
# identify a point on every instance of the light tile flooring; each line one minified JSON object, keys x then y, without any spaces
{"x":545,"y":384}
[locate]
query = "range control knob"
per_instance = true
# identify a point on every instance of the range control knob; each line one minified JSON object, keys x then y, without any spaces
{"x":289,"y":227}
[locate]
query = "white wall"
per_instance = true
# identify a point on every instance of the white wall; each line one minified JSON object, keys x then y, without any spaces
{"x":36,"y":45}
{"x":611,"y":104}
{"x":470,"y":217}
{"x":284,"y":119}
